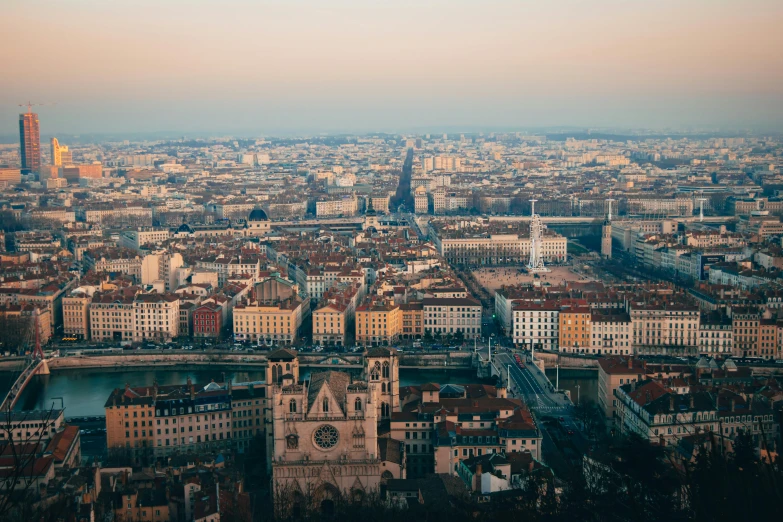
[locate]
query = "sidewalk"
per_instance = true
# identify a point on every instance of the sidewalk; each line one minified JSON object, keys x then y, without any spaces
{"x":548,"y":385}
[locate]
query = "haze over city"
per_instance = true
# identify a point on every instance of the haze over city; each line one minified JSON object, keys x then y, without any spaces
{"x":267,"y":67}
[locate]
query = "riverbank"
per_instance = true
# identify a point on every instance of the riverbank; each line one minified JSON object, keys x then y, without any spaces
{"x":444,"y":361}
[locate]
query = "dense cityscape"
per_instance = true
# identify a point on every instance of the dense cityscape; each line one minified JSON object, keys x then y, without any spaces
{"x":329,"y":265}
{"x":433,"y":261}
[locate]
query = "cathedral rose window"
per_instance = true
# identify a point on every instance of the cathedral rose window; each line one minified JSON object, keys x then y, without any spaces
{"x":326,"y":437}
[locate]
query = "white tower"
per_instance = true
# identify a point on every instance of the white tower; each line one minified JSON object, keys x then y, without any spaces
{"x":606,"y":234}
{"x":536,"y":262}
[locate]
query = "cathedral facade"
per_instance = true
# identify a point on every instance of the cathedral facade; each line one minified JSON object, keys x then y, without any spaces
{"x":325,"y":439}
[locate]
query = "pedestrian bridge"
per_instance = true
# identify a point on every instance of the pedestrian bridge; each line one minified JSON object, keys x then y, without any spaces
{"x":35,"y":366}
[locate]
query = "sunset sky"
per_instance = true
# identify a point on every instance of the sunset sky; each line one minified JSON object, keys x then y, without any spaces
{"x":255,"y":66}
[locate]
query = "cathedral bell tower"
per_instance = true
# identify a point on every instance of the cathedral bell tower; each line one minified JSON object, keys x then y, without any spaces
{"x":382,"y":368}
{"x":282,"y":366}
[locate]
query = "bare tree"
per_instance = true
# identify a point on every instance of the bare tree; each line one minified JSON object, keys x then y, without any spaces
{"x":15,"y":332}
{"x":22,"y":454}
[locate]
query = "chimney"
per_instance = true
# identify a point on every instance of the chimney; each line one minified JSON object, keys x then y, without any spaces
{"x":155,"y":388}
{"x":127,"y":386}
{"x":691,"y":401}
{"x":479,"y":469}
{"x":671,"y":402}
{"x":733,"y":403}
{"x":630,"y":363}
{"x":530,"y":465}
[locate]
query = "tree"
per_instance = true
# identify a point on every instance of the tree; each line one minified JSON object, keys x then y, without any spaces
{"x":19,"y":494}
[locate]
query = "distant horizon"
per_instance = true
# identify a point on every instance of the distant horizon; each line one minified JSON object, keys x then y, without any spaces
{"x":173,"y":135}
{"x":265,"y":67}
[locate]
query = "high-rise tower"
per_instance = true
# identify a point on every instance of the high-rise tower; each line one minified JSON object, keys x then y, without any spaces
{"x":30,"y":141}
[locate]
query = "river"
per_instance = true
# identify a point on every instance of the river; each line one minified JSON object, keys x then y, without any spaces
{"x":84,"y":391}
{"x":587,"y":380}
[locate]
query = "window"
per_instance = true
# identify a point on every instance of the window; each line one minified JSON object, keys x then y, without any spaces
{"x":292,"y":406}
{"x":325,"y":405}
{"x":357,"y":404}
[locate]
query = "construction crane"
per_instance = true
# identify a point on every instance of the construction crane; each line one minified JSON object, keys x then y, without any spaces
{"x":30,"y":105}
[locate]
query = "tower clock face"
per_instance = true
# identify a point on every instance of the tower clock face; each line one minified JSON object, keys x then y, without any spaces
{"x":326,"y":437}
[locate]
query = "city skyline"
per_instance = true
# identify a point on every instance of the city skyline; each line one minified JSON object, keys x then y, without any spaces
{"x":267,"y":68}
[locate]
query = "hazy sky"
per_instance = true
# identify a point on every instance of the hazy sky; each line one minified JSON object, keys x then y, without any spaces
{"x":257,"y":66}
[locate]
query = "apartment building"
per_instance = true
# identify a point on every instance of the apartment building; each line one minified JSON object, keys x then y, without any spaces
{"x":112,"y":316}
{"x":60,"y":215}
{"x":452,"y":316}
{"x":412,"y":317}
{"x":610,"y":333}
{"x":156,"y":317}
{"x":330,"y":323}
{"x":614,"y":372}
{"x":228,"y":266}
{"x":112,"y":214}
{"x":345,"y":206}
{"x":665,"y":328}
{"x":536,"y":325}
{"x":130,"y":418}
{"x":716,"y":335}
{"x":646,"y":408}
{"x":169,"y":419}
{"x":76,"y":315}
{"x":208,"y":321}
{"x":191,"y":419}
{"x":377,"y":324}
{"x":768,"y":339}
{"x":745,"y":323}
{"x":575,"y":329}
{"x":676,"y":206}
{"x":113,"y":261}
{"x":271,"y":322}
{"x":135,"y":239}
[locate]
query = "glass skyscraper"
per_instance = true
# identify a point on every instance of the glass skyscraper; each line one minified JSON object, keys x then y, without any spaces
{"x":30,"y":140}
